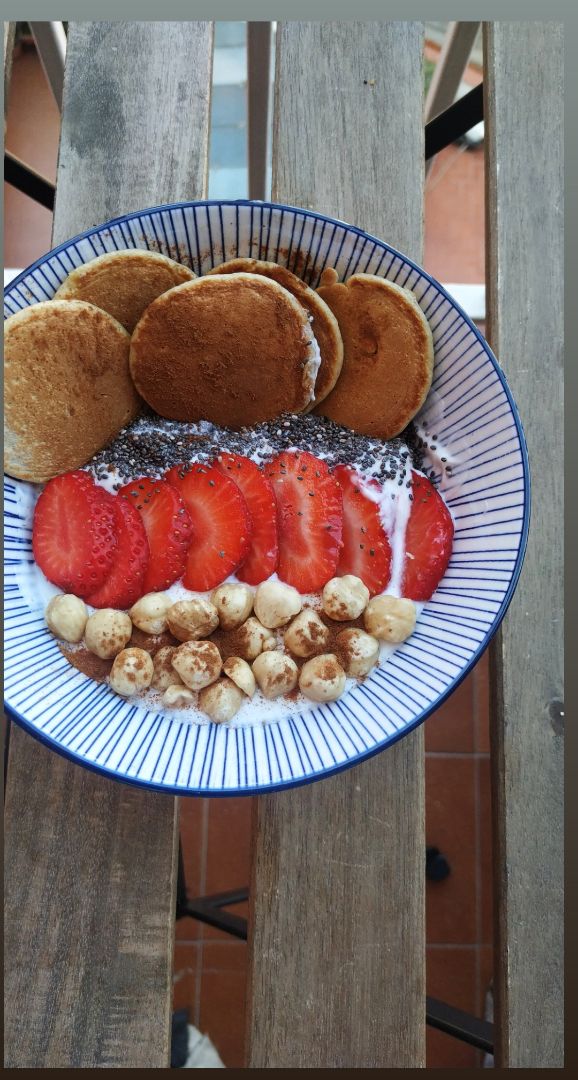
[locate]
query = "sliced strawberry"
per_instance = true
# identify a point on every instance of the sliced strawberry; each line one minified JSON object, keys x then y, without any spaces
{"x":428,"y":541}
{"x":258,"y":493}
{"x":309,"y":518}
{"x":74,"y":535}
{"x":221,"y":524}
{"x":366,"y":552}
{"x":124,"y":585}
{"x":168,"y":526}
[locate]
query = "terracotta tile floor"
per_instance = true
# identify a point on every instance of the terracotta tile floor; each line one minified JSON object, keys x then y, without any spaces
{"x":210,"y":968}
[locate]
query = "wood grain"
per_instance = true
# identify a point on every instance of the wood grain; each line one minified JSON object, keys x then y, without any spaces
{"x":9,"y":34}
{"x":524,"y":133}
{"x":337,"y":940}
{"x":91,"y":864}
{"x":137,"y":119}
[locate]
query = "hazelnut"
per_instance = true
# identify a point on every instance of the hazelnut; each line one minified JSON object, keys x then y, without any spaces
{"x":164,"y":672}
{"x":358,"y":651}
{"x":150,"y":612}
{"x":390,"y":618}
{"x":131,"y":672}
{"x":66,"y":616}
{"x":345,"y":597}
{"x":191,"y":620}
{"x":239,"y":671}
{"x":307,"y":634}
{"x":221,"y":700}
{"x":177,"y":694}
{"x":107,"y":632}
{"x":234,"y":604}
{"x":275,"y":603}
{"x":198,"y":663}
{"x":322,"y":678}
{"x":253,"y":638}
{"x":275,"y":673}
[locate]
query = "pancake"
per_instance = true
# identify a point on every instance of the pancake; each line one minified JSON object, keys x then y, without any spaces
{"x":388,"y":355}
{"x":124,"y":283}
{"x":234,"y":349}
{"x":323,"y":321}
{"x":67,"y":387}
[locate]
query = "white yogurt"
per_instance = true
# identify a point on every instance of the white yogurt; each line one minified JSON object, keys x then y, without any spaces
{"x":312,"y":367}
{"x":394,"y":509}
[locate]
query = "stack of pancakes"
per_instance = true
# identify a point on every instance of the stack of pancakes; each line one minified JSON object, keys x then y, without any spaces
{"x":240,"y":345}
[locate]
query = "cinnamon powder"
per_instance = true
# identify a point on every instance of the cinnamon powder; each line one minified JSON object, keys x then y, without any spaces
{"x":228,"y":643}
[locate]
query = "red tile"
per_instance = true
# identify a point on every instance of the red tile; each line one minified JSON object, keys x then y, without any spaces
{"x":485,"y":976}
{"x":185,"y":967}
{"x":444,"y":1052}
{"x":191,"y":813}
{"x":192,"y":831}
{"x":451,"y":727}
{"x":486,"y":865}
{"x":32,"y":134}
{"x":450,"y":826}
{"x":223,"y":999}
{"x":228,"y":850}
{"x":481,"y":676}
{"x":454,"y":216}
{"x":229,"y":843}
{"x":451,"y":977}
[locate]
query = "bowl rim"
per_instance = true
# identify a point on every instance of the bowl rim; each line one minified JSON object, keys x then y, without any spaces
{"x":325,"y":773}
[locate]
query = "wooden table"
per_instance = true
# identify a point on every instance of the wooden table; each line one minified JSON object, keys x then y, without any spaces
{"x":337,"y":937}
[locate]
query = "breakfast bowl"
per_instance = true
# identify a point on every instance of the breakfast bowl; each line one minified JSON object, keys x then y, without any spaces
{"x":475,"y":454}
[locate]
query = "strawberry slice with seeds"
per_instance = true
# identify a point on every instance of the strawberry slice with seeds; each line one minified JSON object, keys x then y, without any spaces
{"x":74,"y":536}
{"x":124,"y":585}
{"x":366,"y":551}
{"x":309,"y":518}
{"x":222,"y":527}
{"x":258,"y":493}
{"x":168,"y":526}
{"x":428,"y":541}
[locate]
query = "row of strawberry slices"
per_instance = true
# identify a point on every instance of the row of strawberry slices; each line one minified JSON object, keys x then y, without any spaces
{"x":201,"y":523}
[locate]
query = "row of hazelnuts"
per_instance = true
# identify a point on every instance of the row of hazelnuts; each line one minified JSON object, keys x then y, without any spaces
{"x":179,"y":672}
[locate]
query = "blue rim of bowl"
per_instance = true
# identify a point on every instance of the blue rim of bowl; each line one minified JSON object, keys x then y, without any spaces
{"x":321,"y":774}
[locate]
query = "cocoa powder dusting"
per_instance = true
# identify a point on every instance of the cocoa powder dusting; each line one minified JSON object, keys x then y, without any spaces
{"x":99,"y":670}
{"x":228,"y":642}
{"x":87,"y":662}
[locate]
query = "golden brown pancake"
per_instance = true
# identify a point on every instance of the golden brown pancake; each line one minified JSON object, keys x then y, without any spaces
{"x":323,"y":322}
{"x":388,"y":355}
{"x":233,"y":348}
{"x":124,"y":283}
{"x":68,"y":389}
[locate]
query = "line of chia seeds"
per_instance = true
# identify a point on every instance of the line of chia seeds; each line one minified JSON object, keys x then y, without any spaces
{"x":150,"y":445}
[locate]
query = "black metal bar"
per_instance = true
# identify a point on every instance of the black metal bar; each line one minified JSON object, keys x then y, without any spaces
{"x":454,"y":122}
{"x":28,"y":181}
{"x":460,"y":1025}
{"x":221,"y":920}
{"x":226,"y":899}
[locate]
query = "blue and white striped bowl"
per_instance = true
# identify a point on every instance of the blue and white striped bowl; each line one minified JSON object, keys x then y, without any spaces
{"x":470,"y":411}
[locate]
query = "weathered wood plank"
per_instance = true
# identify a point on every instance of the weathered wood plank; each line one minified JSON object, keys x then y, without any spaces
{"x":91,"y":864}
{"x":9,"y":33}
{"x":337,"y":921}
{"x":524,"y":141}
{"x":137,"y":119}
